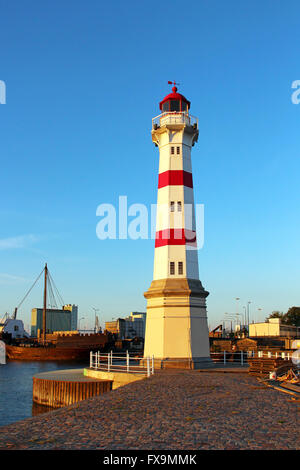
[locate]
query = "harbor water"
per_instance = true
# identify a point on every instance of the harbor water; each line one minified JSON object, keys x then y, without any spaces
{"x":16,"y":387}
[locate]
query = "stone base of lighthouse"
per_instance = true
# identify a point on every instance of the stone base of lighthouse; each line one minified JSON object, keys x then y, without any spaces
{"x":176,"y":328}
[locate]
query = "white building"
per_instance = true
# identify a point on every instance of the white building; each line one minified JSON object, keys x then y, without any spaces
{"x":135,"y":325}
{"x":14,"y":327}
{"x":273,"y":327}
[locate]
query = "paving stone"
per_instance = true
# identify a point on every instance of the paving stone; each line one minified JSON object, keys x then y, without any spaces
{"x":170,"y":410}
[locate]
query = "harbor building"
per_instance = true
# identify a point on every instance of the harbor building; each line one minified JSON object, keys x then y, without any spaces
{"x":273,"y":327}
{"x":74,"y":315}
{"x":56,"y":320}
{"x":116,"y":327}
{"x":128,"y":328}
{"x":135,"y":325}
{"x":14,"y":328}
{"x":64,"y":319}
{"x":176,"y":326}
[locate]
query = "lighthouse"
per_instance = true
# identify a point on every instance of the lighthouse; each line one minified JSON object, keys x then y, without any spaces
{"x":176,"y":326}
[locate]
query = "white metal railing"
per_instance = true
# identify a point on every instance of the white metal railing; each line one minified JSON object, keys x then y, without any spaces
{"x":241,"y":357}
{"x":174,"y":117}
{"x":107,"y":362}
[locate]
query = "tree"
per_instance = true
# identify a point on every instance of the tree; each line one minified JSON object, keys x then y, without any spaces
{"x":276,"y":314}
{"x":292,"y":317}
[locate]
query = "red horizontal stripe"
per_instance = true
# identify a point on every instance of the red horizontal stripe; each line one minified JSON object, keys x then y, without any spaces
{"x":175,"y":177}
{"x":175,"y":236}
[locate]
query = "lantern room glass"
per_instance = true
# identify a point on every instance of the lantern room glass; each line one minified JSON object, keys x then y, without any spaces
{"x":174,"y":106}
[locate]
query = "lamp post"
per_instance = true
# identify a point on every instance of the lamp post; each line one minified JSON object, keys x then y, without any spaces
{"x":233,"y":317}
{"x":248,"y":313}
{"x":95,"y":310}
{"x":82,"y":318}
{"x":237,"y":305}
{"x":229,"y":320}
{"x":259,"y":310}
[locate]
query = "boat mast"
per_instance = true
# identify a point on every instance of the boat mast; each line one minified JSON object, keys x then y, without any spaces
{"x":45,"y":305}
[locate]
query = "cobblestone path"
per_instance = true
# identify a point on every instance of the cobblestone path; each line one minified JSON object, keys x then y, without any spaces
{"x":181,"y":410}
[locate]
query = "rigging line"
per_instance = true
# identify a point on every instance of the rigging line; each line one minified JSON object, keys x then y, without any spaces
{"x":30,"y":289}
{"x":52,"y":292}
{"x":52,"y":298}
{"x":50,"y":295}
{"x":57,"y":291}
{"x":51,"y":283}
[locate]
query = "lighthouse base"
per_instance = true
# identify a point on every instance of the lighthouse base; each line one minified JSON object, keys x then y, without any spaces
{"x":180,"y":363}
{"x":176,"y":326}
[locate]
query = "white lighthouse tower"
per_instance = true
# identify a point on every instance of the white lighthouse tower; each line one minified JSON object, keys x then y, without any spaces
{"x":176,"y":326}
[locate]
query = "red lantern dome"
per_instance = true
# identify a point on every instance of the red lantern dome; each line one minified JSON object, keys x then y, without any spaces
{"x":174,"y":102}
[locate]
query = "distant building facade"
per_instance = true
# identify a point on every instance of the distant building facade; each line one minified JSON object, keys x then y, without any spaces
{"x":64,"y":319}
{"x":15,"y":328}
{"x":129,"y":327}
{"x":273,"y":327}
{"x":74,"y":315}
{"x":135,"y":325}
{"x":56,"y":320}
{"x":116,"y":327}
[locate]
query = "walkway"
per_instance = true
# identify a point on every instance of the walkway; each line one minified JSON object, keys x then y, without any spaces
{"x":174,"y":409}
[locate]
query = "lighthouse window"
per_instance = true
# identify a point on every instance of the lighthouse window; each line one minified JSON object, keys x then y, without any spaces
{"x":178,"y":150}
{"x":172,"y":206}
{"x":172,"y":267}
{"x":183,"y":106}
{"x":180,"y":267}
{"x":179,"y":207}
{"x":175,"y":105}
{"x":165,"y":106}
{"x":172,"y":150}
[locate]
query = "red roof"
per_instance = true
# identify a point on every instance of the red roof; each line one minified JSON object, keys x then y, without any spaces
{"x":174,"y":96}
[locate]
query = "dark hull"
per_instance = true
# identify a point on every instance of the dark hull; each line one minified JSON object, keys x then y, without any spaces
{"x":46,"y":353}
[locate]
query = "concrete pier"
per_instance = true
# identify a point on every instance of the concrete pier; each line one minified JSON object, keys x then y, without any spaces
{"x":174,"y":410}
{"x":65,"y":387}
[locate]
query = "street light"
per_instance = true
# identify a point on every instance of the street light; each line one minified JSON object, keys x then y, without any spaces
{"x":236,"y":315}
{"x":227,"y":320}
{"x":246,"y":316}
{"x":82,"y":318}
{"x":232,"y":318}
{"x":95,"y":310}
{"x":259,"y":310}
{"x":237,"y":305}
{"x":248,"y":312}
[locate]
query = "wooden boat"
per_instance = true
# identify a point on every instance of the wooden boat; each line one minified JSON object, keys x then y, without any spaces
{"x":55,"y":347}
{"x":58,"y":348}
{"x":44,"y":353}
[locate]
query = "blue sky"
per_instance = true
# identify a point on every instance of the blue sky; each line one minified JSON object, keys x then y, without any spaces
{"x":83,"y":81}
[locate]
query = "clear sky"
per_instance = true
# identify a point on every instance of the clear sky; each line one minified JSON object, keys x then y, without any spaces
{"x":83,"y":80}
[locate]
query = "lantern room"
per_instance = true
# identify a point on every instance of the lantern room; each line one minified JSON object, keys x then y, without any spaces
{"x":174,"y":103}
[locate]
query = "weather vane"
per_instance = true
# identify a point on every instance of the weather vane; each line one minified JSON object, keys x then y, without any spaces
{"x":173,"y":83}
